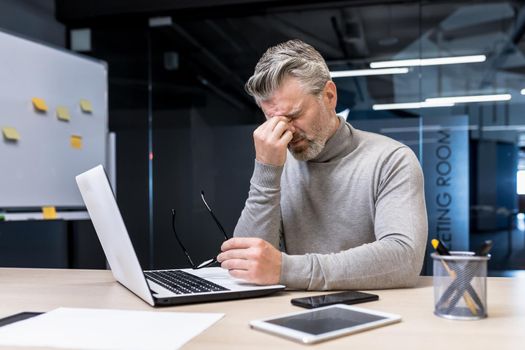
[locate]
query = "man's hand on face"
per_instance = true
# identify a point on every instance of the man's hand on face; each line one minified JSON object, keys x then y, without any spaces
{"x":251,"y":259}
{"x":271,"y":140}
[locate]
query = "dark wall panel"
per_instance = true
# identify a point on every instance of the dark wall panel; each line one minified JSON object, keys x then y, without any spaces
{"x":34,"y":244}
{"x":34,"y":19}
{"x":132,"y":188}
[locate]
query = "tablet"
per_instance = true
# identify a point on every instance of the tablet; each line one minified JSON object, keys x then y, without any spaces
{"x":324,"y":323}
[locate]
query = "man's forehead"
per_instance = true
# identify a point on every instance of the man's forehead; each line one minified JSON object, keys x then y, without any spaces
{"x":274,"y":108}
{"x":281,"y":109}
{"x":287,"y":98}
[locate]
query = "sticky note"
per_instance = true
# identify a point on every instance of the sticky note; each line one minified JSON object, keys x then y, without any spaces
{"x":86,"y":106}
{"x":39,"y":104}
{"x":76,"y":141}
{"x":11,"y":134}
{"x":49,"y":213}
{"x":63,"y":113}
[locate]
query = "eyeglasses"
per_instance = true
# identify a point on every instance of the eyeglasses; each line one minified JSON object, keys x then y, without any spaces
{"x":206,"y":262}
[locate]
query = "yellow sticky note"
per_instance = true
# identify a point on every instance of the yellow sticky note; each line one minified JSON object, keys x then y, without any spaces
{"x":11,"y":134}
{"x":76,"y":141}
{"x":86,"y":106}
{"x":49,"y":213}
{"x":39,"y":104}
{"x":63,"y":113}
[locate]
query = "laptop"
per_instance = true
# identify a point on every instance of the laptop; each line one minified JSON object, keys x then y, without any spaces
{"x":155,"y":287}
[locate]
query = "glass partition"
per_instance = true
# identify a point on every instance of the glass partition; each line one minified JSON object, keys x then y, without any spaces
{"x":445,"y":78}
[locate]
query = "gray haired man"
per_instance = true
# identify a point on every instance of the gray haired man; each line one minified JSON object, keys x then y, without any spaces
{"x":347,"y":206}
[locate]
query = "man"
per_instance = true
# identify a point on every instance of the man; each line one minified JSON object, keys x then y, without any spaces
{"x":347,"y":205}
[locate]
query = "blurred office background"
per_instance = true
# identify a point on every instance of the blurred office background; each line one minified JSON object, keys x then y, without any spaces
{"x":183,"y":122}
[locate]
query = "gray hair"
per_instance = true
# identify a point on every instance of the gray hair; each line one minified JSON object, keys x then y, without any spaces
{"x":292,"y":58}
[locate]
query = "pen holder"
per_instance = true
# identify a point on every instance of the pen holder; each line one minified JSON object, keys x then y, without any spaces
{"x":460,"y":285}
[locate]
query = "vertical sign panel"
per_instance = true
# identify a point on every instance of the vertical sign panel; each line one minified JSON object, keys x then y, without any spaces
{"x":446,"y":169}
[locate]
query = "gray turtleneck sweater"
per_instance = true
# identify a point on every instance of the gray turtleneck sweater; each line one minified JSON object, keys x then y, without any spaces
{"x":353,"y":218}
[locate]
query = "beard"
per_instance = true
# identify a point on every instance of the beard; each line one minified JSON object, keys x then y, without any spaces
{"x":314,"y":144}
{"x":314,"y":147}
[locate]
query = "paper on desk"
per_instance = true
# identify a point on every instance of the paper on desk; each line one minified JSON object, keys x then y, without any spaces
{"x":107,"y":329}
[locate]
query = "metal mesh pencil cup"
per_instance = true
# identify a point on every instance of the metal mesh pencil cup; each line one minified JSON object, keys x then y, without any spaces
{"x":460,"y":285}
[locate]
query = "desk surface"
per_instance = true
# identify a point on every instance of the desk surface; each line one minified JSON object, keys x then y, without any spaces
{"x":44,"y":290}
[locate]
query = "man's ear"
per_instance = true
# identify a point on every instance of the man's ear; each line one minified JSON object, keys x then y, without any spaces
{"x":330,"y":94}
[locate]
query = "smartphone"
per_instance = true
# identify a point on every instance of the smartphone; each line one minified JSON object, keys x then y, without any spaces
{"x":349,"y":297}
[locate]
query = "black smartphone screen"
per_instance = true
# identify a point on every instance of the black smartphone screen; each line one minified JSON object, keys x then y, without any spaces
{"x":349,"y":297}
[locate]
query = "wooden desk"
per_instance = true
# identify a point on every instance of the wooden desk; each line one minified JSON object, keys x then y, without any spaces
{"x":44,"y":290}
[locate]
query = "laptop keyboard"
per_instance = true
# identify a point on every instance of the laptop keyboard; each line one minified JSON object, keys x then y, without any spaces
{"x":180,"y":282}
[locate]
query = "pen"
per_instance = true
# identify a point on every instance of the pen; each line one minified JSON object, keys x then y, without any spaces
{"x":443,"y":250}
{"x":484,"y":249}
{"x":440,"y":247}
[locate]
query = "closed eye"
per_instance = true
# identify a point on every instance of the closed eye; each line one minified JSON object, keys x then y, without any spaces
{"x":294,"y":115}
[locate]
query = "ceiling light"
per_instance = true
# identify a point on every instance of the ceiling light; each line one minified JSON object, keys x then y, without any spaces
{"x":469,"y":99}
{"x":522,"y":91}
{"x":410,"y":105}
{"x":363,"y":72}
{"x":429,"y":61}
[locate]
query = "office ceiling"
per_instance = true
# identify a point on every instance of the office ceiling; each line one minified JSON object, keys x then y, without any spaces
{"x":217,"y":43}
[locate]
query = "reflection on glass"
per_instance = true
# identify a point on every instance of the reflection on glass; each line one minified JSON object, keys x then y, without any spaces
{"x":454,"y":88}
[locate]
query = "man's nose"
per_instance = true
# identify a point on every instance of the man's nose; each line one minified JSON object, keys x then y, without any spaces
{"x":292,"y":126}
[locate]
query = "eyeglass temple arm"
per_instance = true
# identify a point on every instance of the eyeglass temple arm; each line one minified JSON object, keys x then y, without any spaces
{"x":178,"y":239}
{"x":213,"y":216}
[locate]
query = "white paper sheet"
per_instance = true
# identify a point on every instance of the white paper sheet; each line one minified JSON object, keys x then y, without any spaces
{"x":107,"y":329}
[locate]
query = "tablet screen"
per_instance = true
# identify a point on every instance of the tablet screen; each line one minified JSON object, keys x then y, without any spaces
{"x":325,"y":320}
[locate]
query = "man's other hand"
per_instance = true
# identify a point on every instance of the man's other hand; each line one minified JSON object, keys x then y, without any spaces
{"x":271,"y":140}
{"x":251,"y":259}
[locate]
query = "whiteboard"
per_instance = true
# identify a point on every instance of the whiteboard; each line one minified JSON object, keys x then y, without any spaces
{"x":40,"y":168}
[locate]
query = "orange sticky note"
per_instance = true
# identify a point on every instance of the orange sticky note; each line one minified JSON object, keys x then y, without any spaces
{"x":39,"y":104}
{"x":11,"y":134}
{"x":63,"y":113}
{"x":86,"y":106}
{"x":49,"y":213}
{"x":76,"y":141}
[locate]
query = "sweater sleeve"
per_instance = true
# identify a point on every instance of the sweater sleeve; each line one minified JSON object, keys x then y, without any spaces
{"x":261,"y":216}
{"x":400,"y":226}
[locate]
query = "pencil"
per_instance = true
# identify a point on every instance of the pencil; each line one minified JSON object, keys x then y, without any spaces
{"x":442,"y":250}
